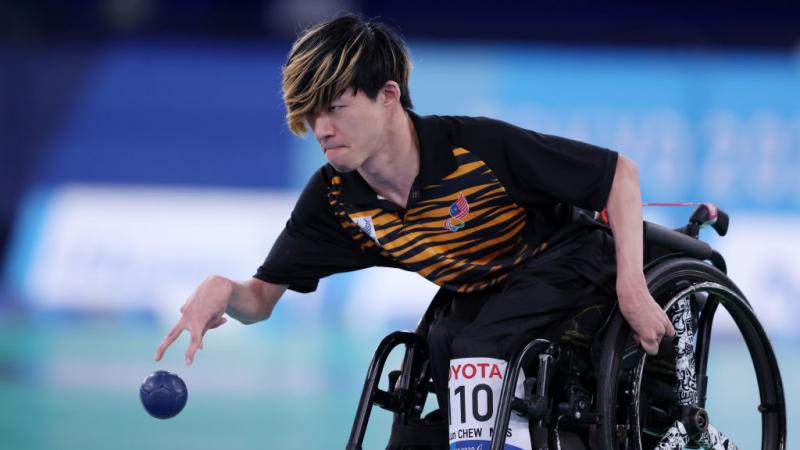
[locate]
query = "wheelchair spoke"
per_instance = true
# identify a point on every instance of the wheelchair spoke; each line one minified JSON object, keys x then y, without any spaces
{"x":684,"y":350}
{"x":675,"y":438}
{"x":713,"y":439}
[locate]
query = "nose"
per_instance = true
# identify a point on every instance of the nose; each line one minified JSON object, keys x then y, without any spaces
{"x":322,"y":126}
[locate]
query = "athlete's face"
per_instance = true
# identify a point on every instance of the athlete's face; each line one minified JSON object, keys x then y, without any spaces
{"x":350,"y":129}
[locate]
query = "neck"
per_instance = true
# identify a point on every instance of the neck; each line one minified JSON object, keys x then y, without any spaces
{"x":392,"y":169}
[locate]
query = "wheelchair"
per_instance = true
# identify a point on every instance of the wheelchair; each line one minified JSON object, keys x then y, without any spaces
{"x":607,"y":391}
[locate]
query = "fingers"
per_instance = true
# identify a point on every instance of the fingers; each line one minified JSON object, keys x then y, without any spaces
{"x":650,"y":341}
{"x":650,"y":325}
{"x":195,"y":320}
{"x":650,"y":346}
{"x":168,"y":340}
{"x":197,"y":337}
{"x":670,"y":329}
{"x":194,"y":345}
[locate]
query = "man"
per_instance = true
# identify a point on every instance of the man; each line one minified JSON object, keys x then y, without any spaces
{"x":472,"y":204}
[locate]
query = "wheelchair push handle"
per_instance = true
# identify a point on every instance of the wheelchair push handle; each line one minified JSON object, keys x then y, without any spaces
{"x":708,"y":214}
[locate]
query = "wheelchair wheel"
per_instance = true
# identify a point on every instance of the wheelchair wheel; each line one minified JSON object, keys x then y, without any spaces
{"x":648,"y":402}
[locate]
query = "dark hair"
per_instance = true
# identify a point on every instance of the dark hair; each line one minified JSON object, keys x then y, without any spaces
{"x":343,"y":53}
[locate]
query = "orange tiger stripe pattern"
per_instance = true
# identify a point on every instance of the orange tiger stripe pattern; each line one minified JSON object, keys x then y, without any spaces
{"x":465,"y":233}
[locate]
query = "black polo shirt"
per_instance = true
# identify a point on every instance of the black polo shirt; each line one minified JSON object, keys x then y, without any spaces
{"x":483,"y":203}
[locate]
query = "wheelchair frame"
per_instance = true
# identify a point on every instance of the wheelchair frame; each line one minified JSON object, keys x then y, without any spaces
{"x":616,"y":416}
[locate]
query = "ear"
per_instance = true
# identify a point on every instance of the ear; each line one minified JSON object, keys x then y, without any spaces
{"x":391,"y":93}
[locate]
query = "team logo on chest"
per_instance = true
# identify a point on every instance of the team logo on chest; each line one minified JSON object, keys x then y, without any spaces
{"x":459,"y":211}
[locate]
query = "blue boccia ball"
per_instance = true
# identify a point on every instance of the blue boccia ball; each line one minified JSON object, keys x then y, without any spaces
{"x":163,"y":394}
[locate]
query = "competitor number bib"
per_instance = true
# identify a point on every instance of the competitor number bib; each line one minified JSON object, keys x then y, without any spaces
{"x":474,"y":392}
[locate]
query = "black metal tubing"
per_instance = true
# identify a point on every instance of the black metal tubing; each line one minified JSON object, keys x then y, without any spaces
{"x":507,"y":392}
{"x":373,"y":379}
{"x":411,"y":404}
{"x":703,"y":343}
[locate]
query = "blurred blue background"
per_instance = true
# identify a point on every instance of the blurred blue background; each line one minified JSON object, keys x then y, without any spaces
{"x":143,"y":147}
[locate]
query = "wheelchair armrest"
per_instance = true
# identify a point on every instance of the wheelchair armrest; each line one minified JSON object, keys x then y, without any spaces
{"x":674,"y":240}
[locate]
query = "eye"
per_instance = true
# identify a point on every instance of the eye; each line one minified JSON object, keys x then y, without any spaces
{"x":334,"y":108}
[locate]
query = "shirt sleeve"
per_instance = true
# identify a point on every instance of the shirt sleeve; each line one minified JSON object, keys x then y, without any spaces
{"x":313,"y":245}
{"x":540,"y":169}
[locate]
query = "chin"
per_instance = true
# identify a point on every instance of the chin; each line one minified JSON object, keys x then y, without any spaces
{"x":342,"y":167}
{"x":341,"y":164}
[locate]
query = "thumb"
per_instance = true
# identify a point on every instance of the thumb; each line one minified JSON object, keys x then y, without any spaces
{"x":214,"y":323}
{"x":217,"y":322}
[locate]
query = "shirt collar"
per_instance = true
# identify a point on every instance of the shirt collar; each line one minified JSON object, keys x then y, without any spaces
{"x":436,"y":161}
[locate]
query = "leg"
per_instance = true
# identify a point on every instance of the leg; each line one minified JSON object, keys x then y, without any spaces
{"x":527,"y":310}
{"x":530,"y":309}
{"x":460,"y":311}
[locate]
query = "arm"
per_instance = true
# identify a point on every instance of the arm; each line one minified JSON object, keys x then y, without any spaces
{"x":646,"y":318}
{"x":540,"y":169}
{"x":248,"y":302}
{"x":253,"y":300}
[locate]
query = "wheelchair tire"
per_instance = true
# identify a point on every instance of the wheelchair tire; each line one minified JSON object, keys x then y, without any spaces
{"x":620,"y":370}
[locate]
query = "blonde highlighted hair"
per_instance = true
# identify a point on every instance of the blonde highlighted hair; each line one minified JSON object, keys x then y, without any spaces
{"x":334,"y":56}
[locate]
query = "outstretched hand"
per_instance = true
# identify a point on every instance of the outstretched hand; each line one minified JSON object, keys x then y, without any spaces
{"x":647,"y":320}
{"x":202,"y":311}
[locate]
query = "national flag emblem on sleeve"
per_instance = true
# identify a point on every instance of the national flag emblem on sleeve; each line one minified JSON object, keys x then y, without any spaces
{"x":459,"y":211}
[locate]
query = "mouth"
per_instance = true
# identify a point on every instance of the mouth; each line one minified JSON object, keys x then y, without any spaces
{"x":338,"y":147}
